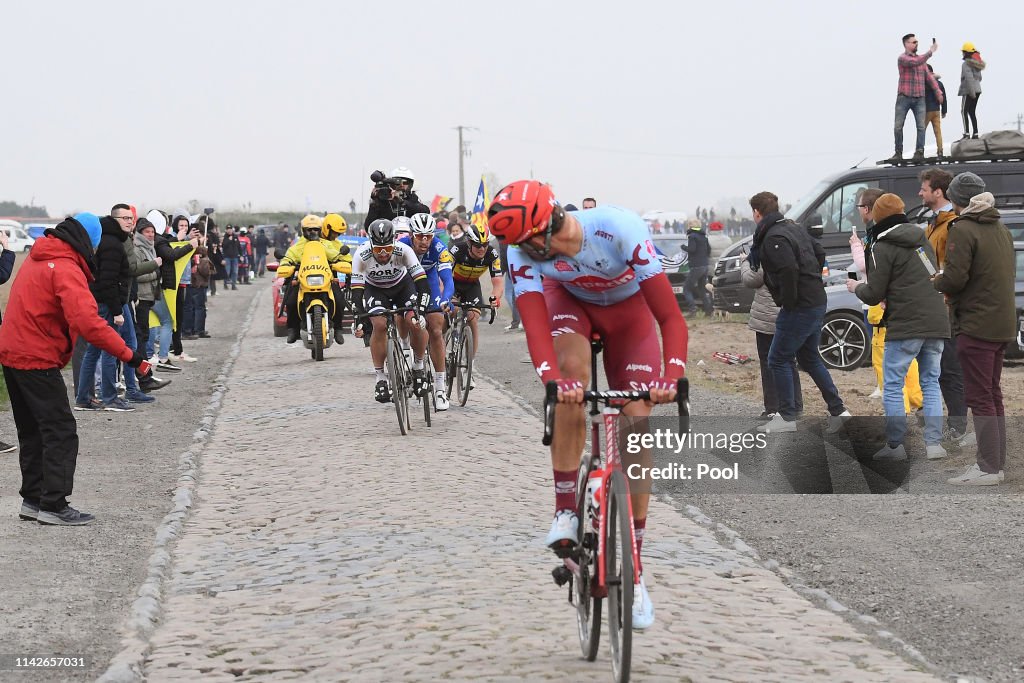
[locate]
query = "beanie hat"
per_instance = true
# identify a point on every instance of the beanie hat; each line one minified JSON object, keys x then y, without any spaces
{"x":91,"y":223}
{"x":965,"y":187}
{"x":887,"y":205}
{"x":144,"y":223}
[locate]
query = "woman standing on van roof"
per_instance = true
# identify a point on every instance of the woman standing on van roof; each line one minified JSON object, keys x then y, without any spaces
{"x":970,"y":87}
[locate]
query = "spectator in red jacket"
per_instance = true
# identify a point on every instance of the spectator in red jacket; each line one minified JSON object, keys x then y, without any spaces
{"x":50,"y":306}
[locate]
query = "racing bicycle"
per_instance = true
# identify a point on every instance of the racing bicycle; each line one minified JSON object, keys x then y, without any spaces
{"x":458,"y":343}
{"x":604,"y":562}
{"x":399,"y":373}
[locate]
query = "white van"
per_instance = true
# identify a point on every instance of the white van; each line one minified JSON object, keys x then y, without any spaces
{"x":17,"y":238}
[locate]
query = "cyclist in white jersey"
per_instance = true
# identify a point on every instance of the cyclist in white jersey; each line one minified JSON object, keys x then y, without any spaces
{"x":386,"y":274}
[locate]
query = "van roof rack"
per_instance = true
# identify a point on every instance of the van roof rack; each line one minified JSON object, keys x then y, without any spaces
{"x":939,"y":161}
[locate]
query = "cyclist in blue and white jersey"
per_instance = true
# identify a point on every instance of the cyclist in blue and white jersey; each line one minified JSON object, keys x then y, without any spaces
{"x":437,"y":263}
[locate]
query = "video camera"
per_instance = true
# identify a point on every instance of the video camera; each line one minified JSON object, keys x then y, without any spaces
{"x":386,"y":189}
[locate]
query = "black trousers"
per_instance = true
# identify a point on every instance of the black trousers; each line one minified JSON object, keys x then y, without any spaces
{"x":179,"y":311}
{"x":969,"y":112}
{"x":47,"y":435}
{"x":771,"y":397}
{"x":951,"y":382}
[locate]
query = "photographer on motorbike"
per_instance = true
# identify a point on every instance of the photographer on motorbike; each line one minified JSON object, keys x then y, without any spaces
{"x":313,"y":229}
{"x":393,"y":196}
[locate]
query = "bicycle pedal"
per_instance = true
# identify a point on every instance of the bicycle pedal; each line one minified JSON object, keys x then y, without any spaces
{"x":561,"y":575}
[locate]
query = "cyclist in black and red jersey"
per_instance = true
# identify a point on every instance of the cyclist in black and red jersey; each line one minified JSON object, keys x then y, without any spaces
{"x":601,"y":274}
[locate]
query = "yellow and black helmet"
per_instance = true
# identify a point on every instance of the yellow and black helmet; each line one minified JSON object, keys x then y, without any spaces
{"x":334,"y":225}
{"x":476,"y":235}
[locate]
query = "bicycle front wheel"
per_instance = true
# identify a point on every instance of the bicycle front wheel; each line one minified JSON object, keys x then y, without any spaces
{"x":396,"y":376}
{"x":428,"y":392}
{"x":588,"y":606}
{"x":451,"y":359}
{"x":618,"y":556}
{"x":465,"y":365}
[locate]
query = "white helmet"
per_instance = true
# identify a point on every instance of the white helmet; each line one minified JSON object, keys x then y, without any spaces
{"x":402,"y":225}
{"x":423,"y":224}
{"x":403,"y":172}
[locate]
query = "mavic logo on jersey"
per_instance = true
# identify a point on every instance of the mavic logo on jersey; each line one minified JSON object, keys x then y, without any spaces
{"x":520,"y":273}
{"x":563,"y":267}
{"x":636,"y":260}
{"x":637,"y":366}
{"x":606,"y":235}
{"x":677,"y":361}
{"x":565,"y":316}
{"x":542,"y":368}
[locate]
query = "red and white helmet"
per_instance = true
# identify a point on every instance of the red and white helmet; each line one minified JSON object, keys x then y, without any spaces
{"x":521,"y":210}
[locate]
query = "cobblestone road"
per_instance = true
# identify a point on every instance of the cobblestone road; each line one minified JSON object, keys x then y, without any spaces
{"x":324,"y":546}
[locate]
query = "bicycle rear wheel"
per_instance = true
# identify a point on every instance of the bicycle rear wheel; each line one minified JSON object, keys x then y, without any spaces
{"x":588,"y":606}
{"x":618,"y":555}
{"x":465,"y":364}
{"x":451,"y":359}
{"x":396,"y":375}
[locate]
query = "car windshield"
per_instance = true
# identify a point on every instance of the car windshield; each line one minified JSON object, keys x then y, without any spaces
{"x":669,"y":247}
{"x":805,"y":202}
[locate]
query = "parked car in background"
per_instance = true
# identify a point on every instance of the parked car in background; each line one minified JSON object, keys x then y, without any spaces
{"x":1017,"y":350}
{"x":36,"y":230}
{"x":17,"y":238}
{"x":674,"y":261}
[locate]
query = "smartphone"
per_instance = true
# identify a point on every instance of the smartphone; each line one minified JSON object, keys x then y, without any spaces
{"x":852,"y":274}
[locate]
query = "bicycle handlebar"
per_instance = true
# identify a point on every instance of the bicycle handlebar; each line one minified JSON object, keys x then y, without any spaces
{"x":479,"y":307}
{"x":594,"y":397}
{"x":387,"y":311}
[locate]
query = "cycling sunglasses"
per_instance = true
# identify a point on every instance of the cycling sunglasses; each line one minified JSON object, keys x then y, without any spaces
{"x":383,"y":251}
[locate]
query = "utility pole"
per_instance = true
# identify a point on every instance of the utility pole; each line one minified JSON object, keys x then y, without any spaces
{"x":1020,"y":123}
{"x":463,"y":153}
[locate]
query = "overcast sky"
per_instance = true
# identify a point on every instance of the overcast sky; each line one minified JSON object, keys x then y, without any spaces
{"x":649,"y":105}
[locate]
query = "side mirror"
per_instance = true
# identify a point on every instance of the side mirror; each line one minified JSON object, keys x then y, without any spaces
{"x":815,"y":226}
{"x":272,"y":267}
{"x":279,"y":253}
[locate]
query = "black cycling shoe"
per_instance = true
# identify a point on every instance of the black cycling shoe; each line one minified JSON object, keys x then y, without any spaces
{"x":293,"y":336}
{"x":382,"y":393}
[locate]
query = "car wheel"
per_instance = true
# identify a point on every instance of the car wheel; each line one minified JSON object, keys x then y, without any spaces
{"x":844,"y":342}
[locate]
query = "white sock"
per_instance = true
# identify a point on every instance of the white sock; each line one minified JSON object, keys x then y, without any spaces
{"x":417,"y":363}
{"x":380,"y":374}
{"x":439,"y":382}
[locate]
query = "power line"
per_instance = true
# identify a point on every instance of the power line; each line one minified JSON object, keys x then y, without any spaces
{"x":675,"y":155}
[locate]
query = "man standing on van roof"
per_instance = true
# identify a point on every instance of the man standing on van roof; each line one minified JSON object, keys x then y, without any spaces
{"x":910,"y":94}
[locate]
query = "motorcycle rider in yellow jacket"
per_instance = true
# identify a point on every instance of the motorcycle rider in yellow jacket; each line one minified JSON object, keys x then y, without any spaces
{"x":325,"y":230}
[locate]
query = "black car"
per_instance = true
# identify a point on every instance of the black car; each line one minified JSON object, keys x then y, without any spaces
{"x":829,"y":212}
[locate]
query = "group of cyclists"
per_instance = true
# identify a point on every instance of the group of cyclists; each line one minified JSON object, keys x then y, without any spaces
{"x":575,"y":274}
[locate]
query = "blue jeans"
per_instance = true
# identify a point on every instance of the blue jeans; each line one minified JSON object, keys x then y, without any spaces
{"x":127,"y":330}
{"x":895,"y":363}
{"x":797,"y":332}
{"x":164,"y":332}
{"x":232,"y":267}
{"x":87,"y":373}
{"x":906,"y":104}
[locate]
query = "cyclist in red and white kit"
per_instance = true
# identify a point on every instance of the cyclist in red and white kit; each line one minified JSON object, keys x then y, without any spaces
{"x":575,"y":274}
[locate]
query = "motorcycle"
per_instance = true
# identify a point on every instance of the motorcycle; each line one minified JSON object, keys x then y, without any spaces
{"x":316,"y":301}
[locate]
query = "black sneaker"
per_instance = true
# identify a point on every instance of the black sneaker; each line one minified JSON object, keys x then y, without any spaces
{"x":6,"y":447}
{"x":152,"y":384}
{"x":167,"y":366}
{"x":382,"y":394}
{"x":974,"y":137}
{"x":69,"y":516}
{"x":293,"y":336}
{"x":29,"y":511}
{"x":896,"y":158}
{"x":203,"y":335}
{"x":190,"y":337}
{"x":91,"y":404}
